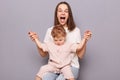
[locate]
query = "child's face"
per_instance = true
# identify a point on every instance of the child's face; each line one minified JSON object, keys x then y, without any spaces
{"x":59,"y":41}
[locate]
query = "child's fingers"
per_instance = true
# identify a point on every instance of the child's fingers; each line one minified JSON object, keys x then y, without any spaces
{"x":32,"y":33}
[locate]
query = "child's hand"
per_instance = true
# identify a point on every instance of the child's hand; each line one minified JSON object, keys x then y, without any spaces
{"x":33,"y":35}
{"x":87,"y":34}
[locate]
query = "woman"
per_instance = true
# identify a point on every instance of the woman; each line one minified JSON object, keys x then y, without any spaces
{"x":63,"y":16}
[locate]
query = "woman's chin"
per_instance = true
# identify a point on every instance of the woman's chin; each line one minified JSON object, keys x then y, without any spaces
{"x":63,"y":24}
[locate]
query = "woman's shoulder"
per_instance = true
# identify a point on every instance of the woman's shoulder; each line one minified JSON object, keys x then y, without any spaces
{"x":49,"y":29}
{"x":77,"y":29}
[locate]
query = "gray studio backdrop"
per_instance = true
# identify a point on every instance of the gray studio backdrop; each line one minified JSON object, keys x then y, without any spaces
{"x":19,"y":58}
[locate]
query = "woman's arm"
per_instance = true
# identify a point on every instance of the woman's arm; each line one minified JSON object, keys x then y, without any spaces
{"x":34,"y":38}
{"x":82,"y":46}
{"x":81,"y":52}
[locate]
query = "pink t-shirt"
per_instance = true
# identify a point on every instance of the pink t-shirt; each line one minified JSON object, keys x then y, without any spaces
{"x":60,"y":56}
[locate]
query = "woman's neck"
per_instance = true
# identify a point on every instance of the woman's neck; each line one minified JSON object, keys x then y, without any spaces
{"x":65,"y":26}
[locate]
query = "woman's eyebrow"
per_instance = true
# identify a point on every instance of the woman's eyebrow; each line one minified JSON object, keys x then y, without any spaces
{"x":66,"y":9}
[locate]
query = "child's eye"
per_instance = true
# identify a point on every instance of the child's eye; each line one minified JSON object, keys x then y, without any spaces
{"x":55,"y":39}
{"x":60,"y":40}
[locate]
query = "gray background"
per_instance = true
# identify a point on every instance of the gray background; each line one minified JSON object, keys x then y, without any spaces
{"x":19,"y":58}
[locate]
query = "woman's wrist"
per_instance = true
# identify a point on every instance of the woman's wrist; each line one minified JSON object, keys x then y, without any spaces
{"x":85,"y":39}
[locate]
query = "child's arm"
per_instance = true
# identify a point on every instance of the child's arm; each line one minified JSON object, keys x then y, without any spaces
{"x":38,"y":43}
{"x":42,"y":53}
{"x":34,"y":38}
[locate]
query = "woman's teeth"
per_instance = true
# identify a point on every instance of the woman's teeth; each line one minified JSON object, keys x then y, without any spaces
{"x":62,"y":17}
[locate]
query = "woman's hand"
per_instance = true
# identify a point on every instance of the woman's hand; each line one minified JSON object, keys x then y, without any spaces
{"x":33,"y":35}
{"x":87,"y":35}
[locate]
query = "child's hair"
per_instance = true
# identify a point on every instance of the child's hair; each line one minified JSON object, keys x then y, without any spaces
{"x":58,"y":31}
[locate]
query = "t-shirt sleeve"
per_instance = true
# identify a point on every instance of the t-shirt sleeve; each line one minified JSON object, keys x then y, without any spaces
{"x":73,"y":47}
{"x":44,"y":47}
{"x":48,"y":37}
{"x":78,"y":35}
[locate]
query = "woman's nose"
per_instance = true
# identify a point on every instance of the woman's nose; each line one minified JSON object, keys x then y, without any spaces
{"x":63,"y":12}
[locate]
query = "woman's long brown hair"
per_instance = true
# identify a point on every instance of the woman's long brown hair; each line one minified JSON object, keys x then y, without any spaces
{"x":70,"y":22}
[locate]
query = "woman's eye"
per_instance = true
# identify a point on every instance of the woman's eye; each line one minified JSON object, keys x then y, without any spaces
{"x":66,"y":11}
{"x":59,"y":10}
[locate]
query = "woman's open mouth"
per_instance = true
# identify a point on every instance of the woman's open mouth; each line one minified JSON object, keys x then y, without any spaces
{"x":62,"y":19}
